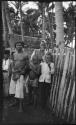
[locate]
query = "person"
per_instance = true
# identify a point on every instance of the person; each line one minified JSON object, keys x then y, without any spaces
{"x":33,"y":80}
{"x":47,"y":69}
{"x":18,"y":71}
{"x":39,"y":54}
{"x":5,"y":67}
{"x":12,"y":85}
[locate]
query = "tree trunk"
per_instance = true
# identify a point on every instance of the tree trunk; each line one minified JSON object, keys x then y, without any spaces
{"x":59,"y":24}
{"x":5,"y":28}
{"x":22,"y":32}
{"x":43,"y":21}
{"x":50,"y":28}
{"x":8,"y":17}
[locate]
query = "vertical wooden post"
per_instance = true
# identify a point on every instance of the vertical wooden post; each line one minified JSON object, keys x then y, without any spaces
{"x":43,"y":21}
{"x":1,"y":56}
{"x":22,"y":33}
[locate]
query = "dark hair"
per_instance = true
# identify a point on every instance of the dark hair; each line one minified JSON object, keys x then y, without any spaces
{"x":22,"y":43}
{"x":7,"y":52}
{"x":49,"y":54}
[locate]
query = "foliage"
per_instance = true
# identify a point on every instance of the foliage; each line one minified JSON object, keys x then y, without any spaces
{"x":32,"y":20}
{"x":69,"y":30}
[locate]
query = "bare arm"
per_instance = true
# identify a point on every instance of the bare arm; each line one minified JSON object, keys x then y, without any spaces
{"x":52,"y":68}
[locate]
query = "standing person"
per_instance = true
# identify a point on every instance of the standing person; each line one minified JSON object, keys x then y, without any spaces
{"x":12,"y":86}
{"x":47,"y":69}
{"x":18,"y":71}
{"x":5,"y":67}
{"x":33,"y":80}
{"x":39,"y":55}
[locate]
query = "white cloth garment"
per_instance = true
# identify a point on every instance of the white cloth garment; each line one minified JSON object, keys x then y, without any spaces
{"x":16,"y":87}
{"x":12,"y":87}
{"x":6,"y":64}
{"x":46,"y":72}
{"x":19,"y":87}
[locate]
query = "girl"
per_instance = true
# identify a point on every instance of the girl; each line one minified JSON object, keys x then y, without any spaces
{"x":47,"y":68}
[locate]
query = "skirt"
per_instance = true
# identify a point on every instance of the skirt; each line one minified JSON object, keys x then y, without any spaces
{"x":19,"y":93}
{"x":12,"y":87}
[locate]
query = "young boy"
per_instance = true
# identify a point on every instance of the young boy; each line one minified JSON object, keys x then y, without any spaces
{"x":5,"y":67}
{"x":33,"y":79}
{"x":47,"y":68}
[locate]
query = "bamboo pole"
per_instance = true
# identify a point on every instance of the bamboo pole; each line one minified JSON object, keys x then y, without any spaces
{"x":53,"y":89}
{"x":22,"y":32}
{"x":53,"y":84}
{"x":56,"y":79}
{"x":5,"y":32}
{"x":8,"y":18}
{"x":69,"y":90}
{"x":71,"y":100}
{"x":43,"y":21}
{"x":66,"y":85}
{"x":59,"y":81}
{"x":73,"y":114}
{"x":63,"y":80}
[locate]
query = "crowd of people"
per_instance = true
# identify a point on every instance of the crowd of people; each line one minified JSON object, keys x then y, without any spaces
{"x":23,"y":75}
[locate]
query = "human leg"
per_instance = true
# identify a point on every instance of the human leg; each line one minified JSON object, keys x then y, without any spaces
{"x":41,"y":93}
{"x":19,"y":92}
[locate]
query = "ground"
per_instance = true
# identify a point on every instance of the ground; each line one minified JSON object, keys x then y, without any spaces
{"x":30,"y":115}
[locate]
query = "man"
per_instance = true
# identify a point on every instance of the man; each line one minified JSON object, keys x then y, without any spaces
{"x":18,"y":71}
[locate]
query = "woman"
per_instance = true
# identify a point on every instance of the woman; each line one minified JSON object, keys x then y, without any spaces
{"x":39,"y":54}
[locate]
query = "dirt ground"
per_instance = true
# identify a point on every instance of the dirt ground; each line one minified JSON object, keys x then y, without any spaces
{"x":29,"y":115}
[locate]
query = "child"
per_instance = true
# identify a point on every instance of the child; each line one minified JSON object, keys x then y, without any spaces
{"x":47,"y":68}
{"x":33,"y":78}
{"x":5,"y":67}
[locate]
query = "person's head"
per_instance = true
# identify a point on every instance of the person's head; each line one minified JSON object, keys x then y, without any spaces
{"x":48,"y":57}
{"x":6,"y":54}
{"x":43,"y":45}
{"x":19,"y":46}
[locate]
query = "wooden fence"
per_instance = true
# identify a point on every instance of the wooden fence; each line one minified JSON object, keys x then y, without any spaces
{"x":62,"y":96}
{"x":29,"y":41}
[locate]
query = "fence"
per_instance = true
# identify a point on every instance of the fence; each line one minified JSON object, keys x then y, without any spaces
{"x":29,"y":41}
{"x":62,"y":96}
